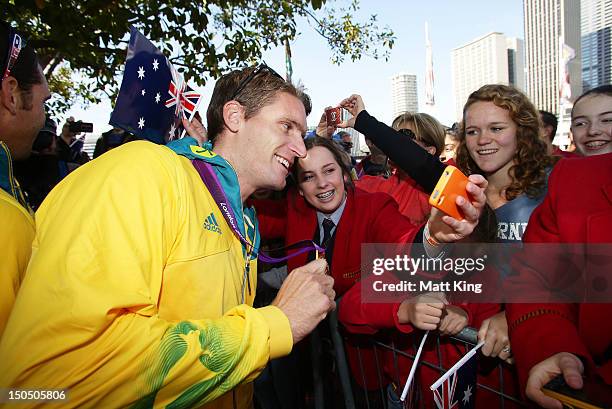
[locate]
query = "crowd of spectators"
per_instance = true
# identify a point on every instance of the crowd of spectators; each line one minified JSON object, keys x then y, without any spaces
{"x":132,"y":282}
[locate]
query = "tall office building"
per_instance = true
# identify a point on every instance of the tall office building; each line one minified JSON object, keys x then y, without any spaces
{"x":516,"y":62}
{"x":547,"y":22}
{"x":596,"y":42}
{"x":404,"y":93}
{"x":490,"y":59}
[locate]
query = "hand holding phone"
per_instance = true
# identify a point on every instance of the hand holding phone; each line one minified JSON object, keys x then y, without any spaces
{"x":592,"y":395}
{"x":451,"y":184}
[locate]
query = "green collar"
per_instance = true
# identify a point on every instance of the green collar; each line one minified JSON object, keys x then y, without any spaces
{"x":8,"y":183}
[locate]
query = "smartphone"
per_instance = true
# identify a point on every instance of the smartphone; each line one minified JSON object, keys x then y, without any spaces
{"x":80,"y":126}
{"x":333,"y":116}
{"x":451,"y":184}
{"x":593,"y":395}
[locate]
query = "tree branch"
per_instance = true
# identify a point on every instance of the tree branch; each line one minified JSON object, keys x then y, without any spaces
{"x":52,"y":65}
{"x":310,"y":16}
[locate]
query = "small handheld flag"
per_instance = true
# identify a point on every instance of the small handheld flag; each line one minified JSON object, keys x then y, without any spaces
{"x":455,"y":389}
{"x":153,"y":95}
{"x":414,"y":366}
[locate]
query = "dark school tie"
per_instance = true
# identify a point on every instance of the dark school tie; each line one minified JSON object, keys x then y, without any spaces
{"x":328,"y":226}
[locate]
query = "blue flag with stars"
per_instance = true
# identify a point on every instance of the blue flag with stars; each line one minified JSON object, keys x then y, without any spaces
{"x":458,"y":389}
{"x":153,"y":95}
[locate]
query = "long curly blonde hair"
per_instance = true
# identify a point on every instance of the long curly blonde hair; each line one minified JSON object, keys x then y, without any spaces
{"x":529,"y":173}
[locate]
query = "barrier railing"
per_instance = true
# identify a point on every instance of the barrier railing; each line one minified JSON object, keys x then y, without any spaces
{"x":466,"y":338}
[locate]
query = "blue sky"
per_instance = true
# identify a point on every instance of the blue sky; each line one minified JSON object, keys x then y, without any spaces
{"x":451,"y":24}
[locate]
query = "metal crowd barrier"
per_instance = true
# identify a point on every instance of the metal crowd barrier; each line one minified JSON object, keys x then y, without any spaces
{"x":467,"y":338}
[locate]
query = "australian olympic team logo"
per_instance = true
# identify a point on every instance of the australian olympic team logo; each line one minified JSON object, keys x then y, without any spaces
{"x":202,"y":152}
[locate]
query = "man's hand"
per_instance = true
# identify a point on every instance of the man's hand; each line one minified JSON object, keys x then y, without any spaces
{"x":324,"y":130}
{"x":453,"y":321}
{"x":423,"y":311}
{"x":66,"y":134}
{"x":195,"y":129}
{"x":306,"y":296}
{"x":447,"y":229}
{"x":354,"y":104}
{"x":562,"y":363}
{"x":494,"y":332}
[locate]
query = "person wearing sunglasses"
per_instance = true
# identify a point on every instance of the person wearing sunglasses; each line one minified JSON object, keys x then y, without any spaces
{"x":412,"y":201}
{"x":23,"y":91}
{"x":146,"y":265}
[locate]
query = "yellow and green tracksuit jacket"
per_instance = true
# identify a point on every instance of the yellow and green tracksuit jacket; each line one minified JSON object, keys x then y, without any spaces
{"x":136,"y":295}
{"x":16,"y":235}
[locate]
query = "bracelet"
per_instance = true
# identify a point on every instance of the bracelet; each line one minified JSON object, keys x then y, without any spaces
{"x":433,"y":242}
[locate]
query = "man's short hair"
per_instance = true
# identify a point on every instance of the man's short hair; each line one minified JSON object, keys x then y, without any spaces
{"x":25,"y":70}
{"x":305,"y":100}
{"x":260,"y":91}
{"x":549,"y":119}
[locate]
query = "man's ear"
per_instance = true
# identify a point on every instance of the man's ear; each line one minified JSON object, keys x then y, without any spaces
{"x":10,"y":95}
{"x":233,"y":115}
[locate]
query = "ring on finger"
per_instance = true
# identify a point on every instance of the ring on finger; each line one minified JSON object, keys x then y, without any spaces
{"x":507,"y":349}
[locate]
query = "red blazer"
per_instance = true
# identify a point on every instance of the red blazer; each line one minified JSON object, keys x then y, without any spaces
{"x":413,"y":202}
{"x":577,"y":209}
{"x":367,"y":218}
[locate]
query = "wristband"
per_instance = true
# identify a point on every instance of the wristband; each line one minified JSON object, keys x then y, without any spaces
{"x":433,"y":242}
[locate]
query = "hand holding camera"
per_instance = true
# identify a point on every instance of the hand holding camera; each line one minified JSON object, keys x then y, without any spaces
{"x":72,"y":128}
{"x":78,"y":127}
{"x":324,"y":128}
{"x":354,"y":105}
{"x":333,"y":116}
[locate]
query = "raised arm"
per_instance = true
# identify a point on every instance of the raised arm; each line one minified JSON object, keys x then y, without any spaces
{"x":424,"y":168}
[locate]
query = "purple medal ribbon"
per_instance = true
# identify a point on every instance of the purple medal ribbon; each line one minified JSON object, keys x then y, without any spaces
{"x":210,"y":179}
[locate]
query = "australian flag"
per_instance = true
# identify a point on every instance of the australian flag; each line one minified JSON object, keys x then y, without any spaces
{"x":457,"y":390}
{"x":153,"y":95}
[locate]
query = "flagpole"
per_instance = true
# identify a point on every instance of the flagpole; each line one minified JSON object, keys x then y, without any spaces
{"x":413,"y":369}
{"x":191,"y":117}
{"x":288,"y":65}
{"x":454,"y":368}
{"x":429,"y":74}
{"x":565,"y":55}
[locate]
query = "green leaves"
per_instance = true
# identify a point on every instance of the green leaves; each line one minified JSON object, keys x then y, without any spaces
{"x":70,"y":88}
{"x":203,"y":38}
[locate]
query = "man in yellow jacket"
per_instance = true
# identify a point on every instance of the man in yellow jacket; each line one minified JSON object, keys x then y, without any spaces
{"x":139,"y":293}
{"x":23,"y":91}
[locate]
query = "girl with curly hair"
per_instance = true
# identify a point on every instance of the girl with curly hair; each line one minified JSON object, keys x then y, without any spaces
{"x":499,"y":138}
